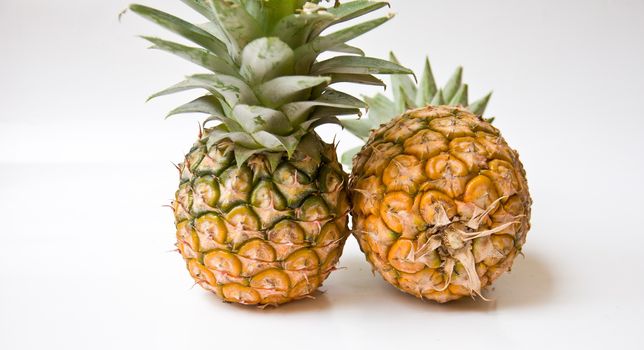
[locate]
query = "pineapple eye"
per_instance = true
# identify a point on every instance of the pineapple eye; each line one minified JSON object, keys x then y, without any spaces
{"x":394,"y":208}
{"x":223,"y":262}
{"x":211,"y":230}
{"x":302,"y":260}
{"x":436,"y":208}
{"x":265,"y":195}
{"x":272,"y":279}
{"x":402,"y":256}
{"x":403,"y":173}
{"x":287,"y":232}
{"x":481,"y":192}
{"x":313,"y":209}
{"x":243,"y":218}
{"x":206,"y":194}
{"x":237,"y":293}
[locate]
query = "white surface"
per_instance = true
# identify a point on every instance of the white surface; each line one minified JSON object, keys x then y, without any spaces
{"x":85,"y":168}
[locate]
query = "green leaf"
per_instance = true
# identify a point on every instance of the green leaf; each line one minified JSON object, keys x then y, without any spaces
{"x":357,"y":65}
{"x":344,"y":48}
{"x":279,"y":91}
{"x":453,"y":84}
{"x":216,"y":133}
{"x":403,"y":87}
{"x":195,"y":55}
{"x":276,"y":143}
{"x":427,"y":88}
{"x":205,"y":104}
{"x":460,"y":98}
{"x":240,"y":27}
{"x":227,"y":88}
{"x":341,"y":99}
{"x":347,"y":157}
{"x":242,"y":153}
{"x":297,"y":112}
{"x":255,"y":9}
{"x":327,"y":115}
{"x":478,"y":106}
{"x":274,"y":10}
{"x":438,"y":99}
{"x":274,"y":159}
{"x":307,"y":53}
{"x":381,"y":109}
{"x":256,"y":118}
{"x":348,"y":11}
{"x":359,"y":127}
{"x":266,"y":58}
{"x":184,"y":29}
{"x":295,"y":29}
{"x":364,"y":79}
{"x":202,"y":7}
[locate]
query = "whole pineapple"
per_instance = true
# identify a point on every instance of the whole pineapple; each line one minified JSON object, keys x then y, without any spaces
{"x":440,"y":201}
{"x":262,"y":206}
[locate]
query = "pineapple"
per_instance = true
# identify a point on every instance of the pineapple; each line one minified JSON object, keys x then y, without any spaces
{"x":262,"y":206}
{"x":440,"y":201}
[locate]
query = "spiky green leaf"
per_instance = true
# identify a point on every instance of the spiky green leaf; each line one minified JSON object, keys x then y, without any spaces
{"x":307,"y":54}
{"x":453,"y":84}
{"x":359,"y":127}
{"x":256,"y":118}
{"x":202,"y":7}
{"x":227,"y":88}
{"x":205,"y":104}
{"x":184,"y":29}
{"x":266,"y":58}
{"x":281,"y":90}
{"x":478,"y":107}
{"x":438,"y":99}
{"x":195,"y":55}
{"x":295,"y":29}
{"x":460,"y":98}
{"x":427,"y":88}
{"x":357,"y":65}
{"x":347,"y":157}
{"x":239,"y":26}
{"x":403,"y":88}
{"x":348,"y":11}
{"x":364,"y":79}
{"x":381,"y":109}
{"x":345,"y":48}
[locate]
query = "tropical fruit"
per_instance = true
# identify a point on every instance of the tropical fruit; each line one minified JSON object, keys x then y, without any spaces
{"x":440,"y":201}
{"x":262,"y":207}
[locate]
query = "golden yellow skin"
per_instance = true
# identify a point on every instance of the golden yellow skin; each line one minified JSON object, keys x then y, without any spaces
{"x":440,"y":203}
{"x":260,"y":234}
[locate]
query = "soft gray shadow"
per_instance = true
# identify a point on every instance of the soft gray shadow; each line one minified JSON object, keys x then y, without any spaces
{"x":530,"y":283}
{"x":317,"y":302}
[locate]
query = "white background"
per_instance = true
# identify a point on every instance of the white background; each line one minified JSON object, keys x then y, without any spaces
{"x":85,"y":167}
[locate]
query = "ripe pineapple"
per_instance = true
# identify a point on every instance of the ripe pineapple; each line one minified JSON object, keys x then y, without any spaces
{"x":440,"y":201}
{"x":262,"y":206}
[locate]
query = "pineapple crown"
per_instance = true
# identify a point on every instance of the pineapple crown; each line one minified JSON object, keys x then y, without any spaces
{"x":266,"y":89}
{"x":408,"y":95}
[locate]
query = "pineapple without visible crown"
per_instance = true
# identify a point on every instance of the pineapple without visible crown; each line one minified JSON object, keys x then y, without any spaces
{"x":262,"y":206}
{"x":440,"y":202}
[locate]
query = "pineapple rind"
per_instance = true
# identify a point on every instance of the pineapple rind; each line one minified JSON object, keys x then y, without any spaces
{"x":442,"y":216}
{"x":251,"y":241}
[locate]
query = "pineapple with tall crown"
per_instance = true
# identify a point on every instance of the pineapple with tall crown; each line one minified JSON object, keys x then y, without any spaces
{"x":440,"y":201}
{"x":262,"y":207}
